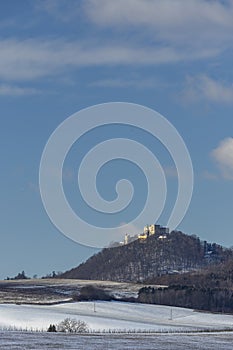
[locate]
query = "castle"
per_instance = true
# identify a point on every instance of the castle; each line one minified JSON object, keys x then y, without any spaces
{"x":149,"y":230}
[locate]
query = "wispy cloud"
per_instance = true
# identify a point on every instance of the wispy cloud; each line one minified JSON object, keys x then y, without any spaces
{"x":223,"y":156}
{"x":186,"y":23}
{"x":203,"y":87}
{"x":124,"y":83}
{"x":132,"y":32}
{"x":7,"y":23}
{"x":11,"y":90}
{"x":194,"y":26}
{"x":166,"y":13}
{"x":62,"y":10}
{"x":209,"y":175}
{"x":32,"y":59}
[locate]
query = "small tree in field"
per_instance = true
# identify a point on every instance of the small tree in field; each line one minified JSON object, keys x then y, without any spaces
{"x":52,"y":328}
{"x":71,"y":325}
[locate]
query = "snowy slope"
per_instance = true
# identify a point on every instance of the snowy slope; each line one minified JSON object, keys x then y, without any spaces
{"x":112,"y":315}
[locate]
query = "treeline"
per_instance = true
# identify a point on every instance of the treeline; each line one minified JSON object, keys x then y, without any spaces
{"x":209,"y":299}
{"x":212,"y":276}
{"x":20,"y":276}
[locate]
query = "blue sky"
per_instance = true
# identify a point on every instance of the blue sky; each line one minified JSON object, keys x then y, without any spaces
{"x":58,"y":57}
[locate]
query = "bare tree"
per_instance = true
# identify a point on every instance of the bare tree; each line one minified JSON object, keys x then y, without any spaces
{"x":71,"y":325}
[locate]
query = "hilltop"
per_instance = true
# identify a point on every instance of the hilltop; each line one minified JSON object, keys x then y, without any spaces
{"x":146,"y":259}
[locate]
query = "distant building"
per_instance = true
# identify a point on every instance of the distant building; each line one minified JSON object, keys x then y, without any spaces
{"x":143,"y":235}
{"x":127,"y":238}
{"x":149,"y":230}
{"x":160,"y":230}
{"x":163,"y":237}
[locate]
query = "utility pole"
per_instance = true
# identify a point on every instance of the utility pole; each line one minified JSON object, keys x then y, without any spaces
{"x":171,"y":315}
{"x":94,"y":307}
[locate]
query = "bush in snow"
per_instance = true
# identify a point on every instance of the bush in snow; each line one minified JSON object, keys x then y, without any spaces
{"x":91,"y":292}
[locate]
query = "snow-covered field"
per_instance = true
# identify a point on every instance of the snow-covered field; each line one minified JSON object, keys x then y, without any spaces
{"x":47,"y":291}
{"x":55,"y":341}
{"x":112,"y":315}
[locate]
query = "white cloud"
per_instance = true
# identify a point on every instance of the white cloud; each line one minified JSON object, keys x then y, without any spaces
{"x":203,"y":87}
{"x":194,"y":26}
{"x":176,"y":21}
{"x":166,"y":13}
{"x":132,"y":32}
{"x":169,"y":19}
{"x":31,"y":59}
{"x":223,"y":156}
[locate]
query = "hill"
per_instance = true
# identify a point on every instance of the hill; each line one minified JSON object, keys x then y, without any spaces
{"x":139,"y":261}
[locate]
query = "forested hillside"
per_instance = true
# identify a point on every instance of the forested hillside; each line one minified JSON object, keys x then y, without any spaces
{"x":137,"y":261}
{"x":210,"y":288}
